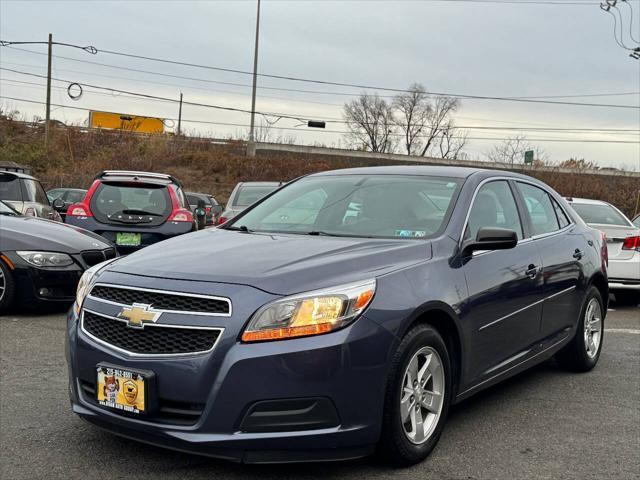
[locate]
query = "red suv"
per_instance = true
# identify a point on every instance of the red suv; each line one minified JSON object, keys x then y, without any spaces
{"x":133,"y":209}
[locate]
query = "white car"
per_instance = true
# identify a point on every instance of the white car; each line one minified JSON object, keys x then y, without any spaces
{"x":623,"y":242}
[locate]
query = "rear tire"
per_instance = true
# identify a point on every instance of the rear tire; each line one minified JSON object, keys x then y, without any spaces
{"x":417,"y":399}
{"x":583,"y":352}
{"x":7,"y":288}
{"x":627,"y":298}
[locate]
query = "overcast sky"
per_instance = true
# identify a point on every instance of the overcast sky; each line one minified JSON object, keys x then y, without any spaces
{"x":467,"y":47}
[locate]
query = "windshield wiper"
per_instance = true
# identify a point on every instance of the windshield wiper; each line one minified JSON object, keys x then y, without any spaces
{"x":320,"y":233}
{"x":134,"y":211}
{"x":239,"y":228}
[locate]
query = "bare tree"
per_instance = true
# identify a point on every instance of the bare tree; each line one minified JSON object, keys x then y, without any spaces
{"x":412,"y":115}
{"x":512,"y":149}
{"x":370,"y":122}
{"x":451,"y":141}
{"x":439,"y":121}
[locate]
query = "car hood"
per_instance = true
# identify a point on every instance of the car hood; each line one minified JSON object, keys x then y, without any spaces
{"x":31,"y":233}
{"x":274,"y":263}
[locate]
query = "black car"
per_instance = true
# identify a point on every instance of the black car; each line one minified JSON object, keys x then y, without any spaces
{"x":343,"y":314}
{"x":133,"y":209}
{"x":41,"y":260}
{"x":211,"y":206}
{"x":62,"y":198}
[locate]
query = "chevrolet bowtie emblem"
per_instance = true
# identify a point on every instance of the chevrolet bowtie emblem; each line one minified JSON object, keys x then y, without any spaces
{"x":138,"y":314}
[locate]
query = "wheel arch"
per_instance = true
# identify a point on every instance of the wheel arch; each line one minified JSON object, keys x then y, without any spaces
{"x":599,"y":281}
{"x":445,"y":320}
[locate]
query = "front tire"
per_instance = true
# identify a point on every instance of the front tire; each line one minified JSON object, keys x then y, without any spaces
{"x":7,"y":288}
{"x":418,"y":396}
{"x":583,"y":352}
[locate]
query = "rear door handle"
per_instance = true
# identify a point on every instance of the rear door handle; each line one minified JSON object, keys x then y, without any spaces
{"x":531,"y":271}
{"x":578,"y":254}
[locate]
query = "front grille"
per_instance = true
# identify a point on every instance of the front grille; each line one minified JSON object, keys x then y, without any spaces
{"x":162,"y":300}
{"x":150,"y":340}
{"x":93,"y":257}
{"x":169,"y":411}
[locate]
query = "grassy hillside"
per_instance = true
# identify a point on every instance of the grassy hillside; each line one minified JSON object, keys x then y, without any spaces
{"x":75,"y":156}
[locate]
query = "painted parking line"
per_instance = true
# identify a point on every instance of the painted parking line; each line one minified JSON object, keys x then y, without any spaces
{"x":633,"y":331}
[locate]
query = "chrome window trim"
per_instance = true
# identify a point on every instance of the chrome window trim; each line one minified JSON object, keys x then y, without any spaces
{"x":530,"y":238}
{"x":166,"y":292}
{"x":538,"y":302}
{"x":220,"y":331}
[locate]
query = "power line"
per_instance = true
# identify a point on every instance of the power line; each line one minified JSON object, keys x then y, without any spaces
{"x":360,"y":86}
{"x":279,"y":115}
{"x":282,"y":89}
{"x":336,"y":131}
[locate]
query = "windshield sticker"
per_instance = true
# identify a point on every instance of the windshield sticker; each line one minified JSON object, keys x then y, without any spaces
{"x":411,"y":233}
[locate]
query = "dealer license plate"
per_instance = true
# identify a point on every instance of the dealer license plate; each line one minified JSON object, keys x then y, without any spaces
{"x":120,"y":389}
{"x":125,"y":239}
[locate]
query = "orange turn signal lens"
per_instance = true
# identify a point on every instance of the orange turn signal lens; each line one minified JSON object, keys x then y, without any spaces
{"x":290,"y":332}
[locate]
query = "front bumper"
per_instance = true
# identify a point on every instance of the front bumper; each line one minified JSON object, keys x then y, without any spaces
{"x":348,"y":368}
{"x":44,"y":285}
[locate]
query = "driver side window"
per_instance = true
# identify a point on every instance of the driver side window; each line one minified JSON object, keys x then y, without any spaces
{"x":494,"y":206}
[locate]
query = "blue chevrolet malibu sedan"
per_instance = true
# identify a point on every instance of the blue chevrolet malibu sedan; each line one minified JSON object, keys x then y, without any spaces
{"x":344,"y":313}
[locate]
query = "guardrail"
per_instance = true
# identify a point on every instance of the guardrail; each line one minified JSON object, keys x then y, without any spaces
{"x":391,"y":157}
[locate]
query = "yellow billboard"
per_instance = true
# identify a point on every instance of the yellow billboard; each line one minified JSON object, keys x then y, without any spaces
{"x":123,"y":121}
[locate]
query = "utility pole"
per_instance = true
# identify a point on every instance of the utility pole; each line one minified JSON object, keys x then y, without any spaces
{"x":180,"y":115}
{"x":251,"y":147}
{"x":48,"y":111}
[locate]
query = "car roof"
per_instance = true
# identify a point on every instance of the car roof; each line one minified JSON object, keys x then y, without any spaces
{"x":18,"y":175}
{"x":261,"y":184}
{"x":145,"y":177}
{"x":439,"y":171}
{"x":586,"y":201}
{"x":68,"y":189}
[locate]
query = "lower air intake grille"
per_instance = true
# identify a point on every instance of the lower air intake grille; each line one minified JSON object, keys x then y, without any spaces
{"x":150,"y":340}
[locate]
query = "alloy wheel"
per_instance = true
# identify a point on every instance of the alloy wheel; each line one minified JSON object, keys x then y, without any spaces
{"x":3,"y":284}
{"x":422,"y":395}
{"x":592,"y":327}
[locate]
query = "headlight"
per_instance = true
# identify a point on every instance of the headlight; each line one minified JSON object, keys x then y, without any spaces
{"x":86,"y":282}
{"x":46,"y":259}
{"x":310,"y":313}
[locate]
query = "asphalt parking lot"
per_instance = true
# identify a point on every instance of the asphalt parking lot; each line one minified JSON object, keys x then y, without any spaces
{"x":543,"y":424}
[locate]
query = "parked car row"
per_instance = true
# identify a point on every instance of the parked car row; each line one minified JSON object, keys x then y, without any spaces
{"x":132,"y":210}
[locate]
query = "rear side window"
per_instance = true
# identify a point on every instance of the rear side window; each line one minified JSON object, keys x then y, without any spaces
{"x":32,"y":191}
{"x":541,"y":210}
{"x":562,"y":217}
{"x":74,"y":196}
{"x":150,"y":200}
{"x":10,"y":188}
{"x":494,"y":206}
{"x":602,"y":214}
{"x":250,"y":194}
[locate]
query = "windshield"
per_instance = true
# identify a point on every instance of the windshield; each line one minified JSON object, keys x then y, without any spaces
{"x":10,"y":188}
{"x":131,"y":199}
{"x":7,"y":210}
{"x":33,"y":192}
{"x":377,"y":206}
{"x":250,"y":194}
{"x":600,"y":214}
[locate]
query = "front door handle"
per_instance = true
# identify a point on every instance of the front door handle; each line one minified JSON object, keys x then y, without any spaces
{"x":578,"y":254}
{"x":531,"y":271}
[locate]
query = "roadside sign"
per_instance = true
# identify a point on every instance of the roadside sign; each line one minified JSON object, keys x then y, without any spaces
{"x":122,"y":121}
{"x":528,"y":157}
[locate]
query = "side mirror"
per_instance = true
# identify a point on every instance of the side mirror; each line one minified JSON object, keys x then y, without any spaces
{"x":58,"y":204}
{"x":217,"y":209}
{"x":492,"y":238}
